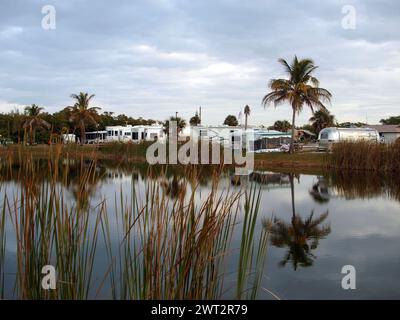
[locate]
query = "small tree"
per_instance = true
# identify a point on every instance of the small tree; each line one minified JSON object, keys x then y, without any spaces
{"x":282,"y":125}
{"x":180,"y":124}
{"x":322,"y":119}
{"x":195,"y":120}
{"x":231,"y":120}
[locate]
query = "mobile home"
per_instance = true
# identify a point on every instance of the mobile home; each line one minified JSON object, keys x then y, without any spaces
{"x":226,"y":135}
{"x":389,"y":133}
{"x":328,"y":136}
{"x":134,"y":133}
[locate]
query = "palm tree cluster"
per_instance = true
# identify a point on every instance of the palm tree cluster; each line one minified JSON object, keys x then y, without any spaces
{"x":41,"y":126}
{"x":81,"y":114}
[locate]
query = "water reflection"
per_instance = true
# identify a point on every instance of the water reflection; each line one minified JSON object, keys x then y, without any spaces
{"x":320,"y":191}
{"x":301,"y":230}
{"x":355,"y":185}
{"x":174,"y":187}
{"x":300,"y":236}
{"x":271,"y":179}
{"x":349,"y":185}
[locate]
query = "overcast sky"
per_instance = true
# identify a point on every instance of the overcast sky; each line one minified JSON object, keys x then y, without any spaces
{"x":151,"y":58}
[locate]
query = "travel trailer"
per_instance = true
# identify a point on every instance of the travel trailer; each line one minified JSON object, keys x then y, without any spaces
{"x":328,"y":136}
{"x":253,"y":139}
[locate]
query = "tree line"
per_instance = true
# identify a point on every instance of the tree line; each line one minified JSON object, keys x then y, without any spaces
{"x":33,"y":125}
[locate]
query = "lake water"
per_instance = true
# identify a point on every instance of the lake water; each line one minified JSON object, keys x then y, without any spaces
{"x":361,"y":228}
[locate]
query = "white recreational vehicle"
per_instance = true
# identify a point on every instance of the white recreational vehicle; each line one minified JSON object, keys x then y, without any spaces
{"x":328,"y":136}
{"x":126,"y":133}
{"x":134,"y":133}
{"x":226,"y":135}
{"x":253,"y":139}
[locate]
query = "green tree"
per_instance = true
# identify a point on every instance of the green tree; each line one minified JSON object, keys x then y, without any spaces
{"x":231,"y":120}
{"x":351,"y":124}
{"x":322,"y":119}
{"x":301,"y":88}
{"x":281,"y":125}
{"x":391,"y":120}
{"x":34,"y":121}
{"x":82,"y":114}
{"x":195,"y":120}
{"x":180,"y":124}
{"x":246,"y":114}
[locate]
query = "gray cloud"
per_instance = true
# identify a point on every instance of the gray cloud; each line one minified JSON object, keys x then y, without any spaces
{"x":152,"y":58}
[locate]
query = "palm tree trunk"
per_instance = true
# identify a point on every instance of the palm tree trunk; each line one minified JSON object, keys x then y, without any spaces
{"x":291,"y":150}
{"x":245,"y":122}
{"x":30,"y":135}
{"x":33,"y":135}
{"x":291,"y":179}
{"x":82,"y":133}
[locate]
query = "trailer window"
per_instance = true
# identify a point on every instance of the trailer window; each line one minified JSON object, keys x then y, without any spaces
{"x":324,"y":135}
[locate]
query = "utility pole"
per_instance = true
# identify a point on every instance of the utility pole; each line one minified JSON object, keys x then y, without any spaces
{"x":200,"y":114}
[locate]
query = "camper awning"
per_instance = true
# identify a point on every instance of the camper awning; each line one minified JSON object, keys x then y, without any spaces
{"x":271,"y":134}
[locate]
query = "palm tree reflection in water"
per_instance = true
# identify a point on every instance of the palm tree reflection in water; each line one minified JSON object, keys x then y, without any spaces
{"x":301,"y":236}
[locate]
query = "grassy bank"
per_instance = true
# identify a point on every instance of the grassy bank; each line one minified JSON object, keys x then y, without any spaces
{"x":305,"y":162}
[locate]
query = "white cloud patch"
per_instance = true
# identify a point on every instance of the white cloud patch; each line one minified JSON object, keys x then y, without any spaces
{"x":10,"y":32}
{"x":8,"y":106}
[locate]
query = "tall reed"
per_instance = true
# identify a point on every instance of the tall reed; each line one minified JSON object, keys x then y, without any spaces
{"x":363,"y":155}
{"x":252,"y":252}
{"x":158,"y":241}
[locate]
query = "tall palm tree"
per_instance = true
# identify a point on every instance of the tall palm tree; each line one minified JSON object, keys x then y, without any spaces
{"x":322,"y":119}
{"x":246,"y":114}
{"x":301,"y":236}
{"x":301,"y":88}
{"x":82,"y":114}
{"x":34,"y":121}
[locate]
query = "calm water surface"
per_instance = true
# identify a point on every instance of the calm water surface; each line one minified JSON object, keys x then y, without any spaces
{"x":360,"y":214}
